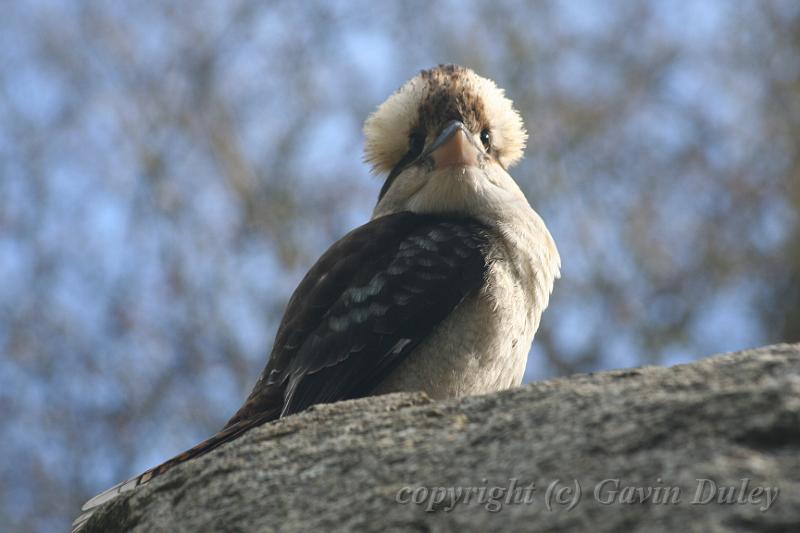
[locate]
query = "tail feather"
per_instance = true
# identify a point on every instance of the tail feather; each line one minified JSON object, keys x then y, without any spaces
{"x":228,"y":434}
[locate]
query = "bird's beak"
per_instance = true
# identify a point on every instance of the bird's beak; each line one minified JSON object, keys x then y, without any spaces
{"x":454,"y":147}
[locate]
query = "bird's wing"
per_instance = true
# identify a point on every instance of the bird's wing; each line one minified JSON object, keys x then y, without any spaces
{"x":369,"y":300}
{"x":366,"y":304}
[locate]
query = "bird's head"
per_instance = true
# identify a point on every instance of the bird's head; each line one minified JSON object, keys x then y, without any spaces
{"x":445,"y":139}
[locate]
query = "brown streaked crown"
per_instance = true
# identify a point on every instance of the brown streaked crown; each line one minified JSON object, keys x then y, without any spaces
{"x":433,"y":98}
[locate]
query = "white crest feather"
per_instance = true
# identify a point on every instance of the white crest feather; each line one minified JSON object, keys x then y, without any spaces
{"x":388,"y":129}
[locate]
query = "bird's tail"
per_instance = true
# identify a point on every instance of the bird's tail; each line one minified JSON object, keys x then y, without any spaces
{"x":228,"y":434}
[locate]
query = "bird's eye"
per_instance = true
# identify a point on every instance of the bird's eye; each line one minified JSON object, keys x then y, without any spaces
{"x":486,"y":138}
{"x":415,"y":144}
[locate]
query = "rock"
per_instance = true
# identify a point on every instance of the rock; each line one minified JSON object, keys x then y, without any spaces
{"x":733,"y":420}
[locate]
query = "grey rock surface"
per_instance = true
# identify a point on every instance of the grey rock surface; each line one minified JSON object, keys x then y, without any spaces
{"x":361,"y":465}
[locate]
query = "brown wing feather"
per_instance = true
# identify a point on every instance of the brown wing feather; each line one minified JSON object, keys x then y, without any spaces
{"x":420,"y":267}
{"x":386,"y":284}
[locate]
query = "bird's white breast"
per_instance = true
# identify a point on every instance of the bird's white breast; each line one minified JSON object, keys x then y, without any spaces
{"x":483,"y":345}
{"x":479,"y":348}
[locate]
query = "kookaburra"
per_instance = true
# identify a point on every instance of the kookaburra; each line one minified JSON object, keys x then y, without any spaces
{"x":441,"y":291}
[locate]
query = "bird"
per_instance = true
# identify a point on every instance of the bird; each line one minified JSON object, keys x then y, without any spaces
{"x":441,"y":291}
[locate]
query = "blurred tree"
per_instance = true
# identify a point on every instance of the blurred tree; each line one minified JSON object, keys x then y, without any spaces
{"x":169,"y":170}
